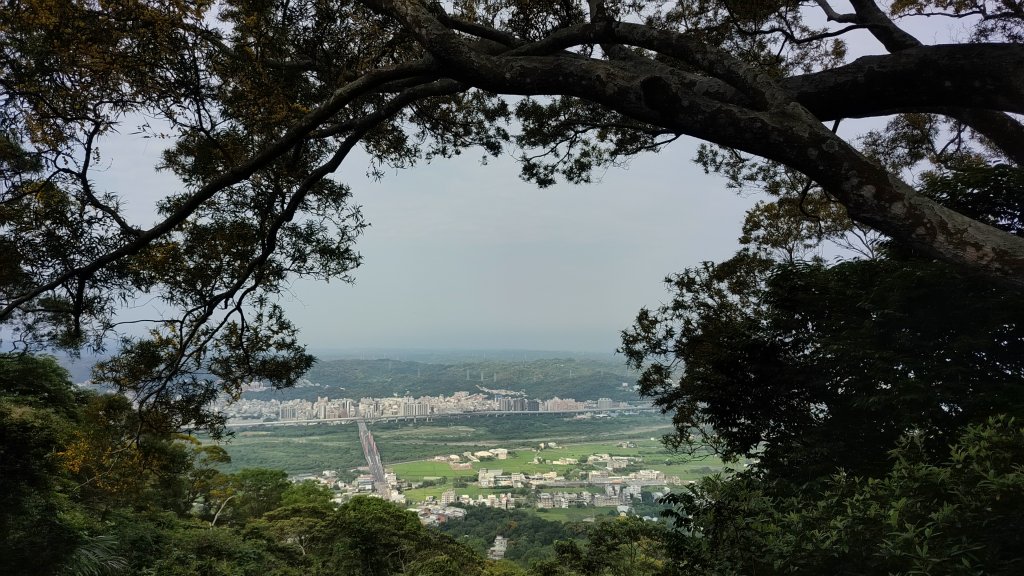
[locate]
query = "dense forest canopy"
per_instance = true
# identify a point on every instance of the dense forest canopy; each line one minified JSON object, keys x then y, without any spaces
{"x":262,"y":101}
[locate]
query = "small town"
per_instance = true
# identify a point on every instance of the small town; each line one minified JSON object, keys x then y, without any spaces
{"x":612,"y":482}
{"x":324,"y":408}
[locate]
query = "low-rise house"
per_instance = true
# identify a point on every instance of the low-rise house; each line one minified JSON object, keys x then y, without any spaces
{"x":497,"y":551}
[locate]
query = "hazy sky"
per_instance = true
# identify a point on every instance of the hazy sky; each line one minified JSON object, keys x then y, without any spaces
{"x":461,"y":255}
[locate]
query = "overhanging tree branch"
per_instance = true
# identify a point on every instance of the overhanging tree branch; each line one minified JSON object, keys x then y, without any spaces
{"x":269,"y":153}
{"x":1002,"y":130}
{"x":787,"y":134}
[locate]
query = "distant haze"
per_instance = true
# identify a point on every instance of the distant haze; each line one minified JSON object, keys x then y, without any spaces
{"x":465,"y":262}
{"x":464,"y":256}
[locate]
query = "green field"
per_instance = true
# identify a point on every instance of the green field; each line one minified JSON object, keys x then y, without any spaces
{"x":571,"y":514}
{"x":655,"y":457}
{"x":408,"y":449}
{"x":427,"y":469}
{"x":319,"y":448}
{"x":313,"y":448}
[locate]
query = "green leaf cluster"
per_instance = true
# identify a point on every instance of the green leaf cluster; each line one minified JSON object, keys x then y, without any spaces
{"x":956,"y":515}
{"x":878,"y":398}
{"x":87,"y":490}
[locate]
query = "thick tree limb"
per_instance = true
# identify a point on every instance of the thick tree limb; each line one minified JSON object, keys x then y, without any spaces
{"x":788,"y":135}
{"x":833,"y":15}
{"x":1004,"y":132}
{"x":916,"y":80}
{"x":882,"y":27}
{"x":1001,"y":129}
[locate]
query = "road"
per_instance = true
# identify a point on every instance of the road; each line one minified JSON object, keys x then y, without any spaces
{"x":380,"y":484}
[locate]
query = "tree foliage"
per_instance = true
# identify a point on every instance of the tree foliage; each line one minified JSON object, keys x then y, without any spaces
{"x":157,"y":507}
{"x":530,"y":537}
{"x":811,"y":367}
{"x":861,"y":389}
{"x":959,"y":514}
{"x":37,"y":525}
{"x":625,"y":546}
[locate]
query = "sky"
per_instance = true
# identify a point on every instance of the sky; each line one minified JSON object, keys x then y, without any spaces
{"x":466,"y":256}
{"x":460,"y":255}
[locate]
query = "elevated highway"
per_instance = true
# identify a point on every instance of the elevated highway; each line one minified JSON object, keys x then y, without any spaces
{"x":380,"y":484}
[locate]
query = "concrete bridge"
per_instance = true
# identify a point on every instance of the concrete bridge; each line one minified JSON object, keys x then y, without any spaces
{"x":380,"y":484}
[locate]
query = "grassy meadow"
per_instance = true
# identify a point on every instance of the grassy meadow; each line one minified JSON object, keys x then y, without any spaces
{"x":304,"y":449}
{"x":655,"y":457}
{"x":407,"y":448}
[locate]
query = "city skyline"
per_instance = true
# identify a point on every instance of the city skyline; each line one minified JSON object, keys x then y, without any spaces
{"x":461,"y":402}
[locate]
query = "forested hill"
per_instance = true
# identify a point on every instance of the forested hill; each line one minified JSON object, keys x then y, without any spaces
{"x":546,"y":378}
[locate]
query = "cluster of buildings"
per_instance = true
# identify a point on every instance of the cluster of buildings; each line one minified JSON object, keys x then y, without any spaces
{"x":363,"y":484}
{"x":461,"y":462}
{"x":325,"y":408}
{"x":435,"y":511}
{"x":597,"y":488}
{"x":503,"y":501}
{"x":432,"y":513}
{"x":618,"y":491}
{"x":487,"y":478}
{"x":577,"y":499}
{"x":619,"y":495}
{"x":607,"y":489}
